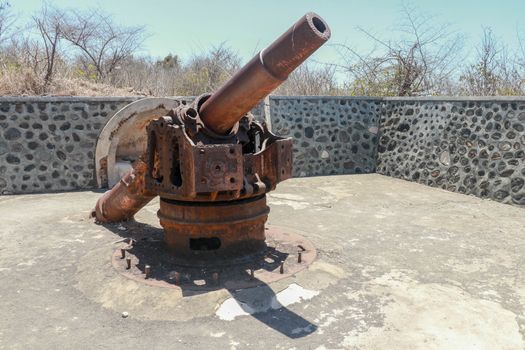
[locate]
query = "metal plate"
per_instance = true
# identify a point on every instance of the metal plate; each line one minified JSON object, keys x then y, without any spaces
{"x":283,"y":246}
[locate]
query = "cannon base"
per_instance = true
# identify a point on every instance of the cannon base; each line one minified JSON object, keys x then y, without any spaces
{"x":278,"y":259}
{"x":210,"y":230}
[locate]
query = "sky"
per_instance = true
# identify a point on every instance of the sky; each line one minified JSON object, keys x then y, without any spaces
{"x":192,"y":26}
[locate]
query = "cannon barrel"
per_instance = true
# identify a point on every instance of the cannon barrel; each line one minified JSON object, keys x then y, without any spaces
{"x":220,"y":112}
{"x":264,"y":73}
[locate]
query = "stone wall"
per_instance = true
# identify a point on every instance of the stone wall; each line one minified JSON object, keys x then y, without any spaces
{"x":331,"y":135}
{"x":471,"y":146}
{"x":48,"y":144}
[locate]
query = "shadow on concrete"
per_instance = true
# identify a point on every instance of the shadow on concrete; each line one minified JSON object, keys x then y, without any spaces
{"x":255,"y":297}
{"x":261,"y":303}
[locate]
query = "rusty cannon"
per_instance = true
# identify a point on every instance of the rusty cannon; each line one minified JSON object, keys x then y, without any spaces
{"x":212,"y":163}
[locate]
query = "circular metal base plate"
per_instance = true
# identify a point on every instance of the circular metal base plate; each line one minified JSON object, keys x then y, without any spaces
{"x":206,"y":271}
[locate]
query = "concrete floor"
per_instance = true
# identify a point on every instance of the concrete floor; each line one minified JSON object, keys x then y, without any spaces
{"x":399,"y":266}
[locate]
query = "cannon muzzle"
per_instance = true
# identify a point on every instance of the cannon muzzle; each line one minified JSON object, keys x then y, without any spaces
{"x":264,"y":73}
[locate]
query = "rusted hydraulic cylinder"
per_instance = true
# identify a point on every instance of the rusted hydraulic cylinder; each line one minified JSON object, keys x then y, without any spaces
{"x":264,"y":73}
{"x":126,"y":198}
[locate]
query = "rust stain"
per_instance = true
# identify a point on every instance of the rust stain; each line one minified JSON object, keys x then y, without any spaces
{"x":211,"y":162}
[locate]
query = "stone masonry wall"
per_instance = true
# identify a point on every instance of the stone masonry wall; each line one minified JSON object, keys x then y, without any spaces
{"x":48,"y":144}
{"x":471,"y":146}
{"x":330,"y":135}
{"x":468,"y":145}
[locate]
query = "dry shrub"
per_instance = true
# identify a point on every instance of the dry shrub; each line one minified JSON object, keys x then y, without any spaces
{"x":83,"y":87}
{"x":20,"y":81}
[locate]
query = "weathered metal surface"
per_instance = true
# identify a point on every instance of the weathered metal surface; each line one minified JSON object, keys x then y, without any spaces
{"x":264,"y":73}
{"x":126,"y":198}
{"x":124,"y":136}
{"x":212,"y":163}
{"x":190,"y":165}
{"x":213,"y":187}
{"x":217,"y":229}
{"x":194,"y":275}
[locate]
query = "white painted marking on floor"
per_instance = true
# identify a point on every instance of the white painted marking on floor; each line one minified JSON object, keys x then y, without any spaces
{"x":231,"y":308}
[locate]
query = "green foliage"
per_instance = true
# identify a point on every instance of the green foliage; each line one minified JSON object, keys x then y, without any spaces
{"x":169,"y":62}
{"x":87,"y":71}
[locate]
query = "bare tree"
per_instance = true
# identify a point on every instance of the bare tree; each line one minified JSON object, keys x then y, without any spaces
{"x":481,"y":78}
{"x":493,"y":73}
{"x":7,"y":20}
{"x":49,"y":25}
{"x":308,"y":79}
{"x":520,"y":60}
{"x":86,"y":52}
{"x":207,"y":72}
{"x":102,"y":43}
{"x":418,"y":63}
{"x":144,"y":75}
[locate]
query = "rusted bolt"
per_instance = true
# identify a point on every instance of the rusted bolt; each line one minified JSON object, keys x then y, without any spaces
{"x":177,"y":278}
{"x":299,"y":257}
{"x":122,"y":253}
{"x":147,"y":271}
{"x":128,"y":263}
{"x":281,"y":269}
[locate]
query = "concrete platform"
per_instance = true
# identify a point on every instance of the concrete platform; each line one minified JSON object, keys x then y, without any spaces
{"x":399,"y":266}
